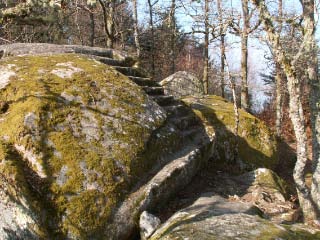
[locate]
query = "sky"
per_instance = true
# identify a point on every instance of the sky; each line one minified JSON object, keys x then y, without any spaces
{"x":257,"y":50}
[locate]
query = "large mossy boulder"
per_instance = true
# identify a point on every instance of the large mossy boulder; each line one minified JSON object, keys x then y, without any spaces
{"x":74,"y":136}
{"x":257,"y":146}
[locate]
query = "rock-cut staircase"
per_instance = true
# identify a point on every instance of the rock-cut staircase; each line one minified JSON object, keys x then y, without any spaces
{"x":180,"y":166}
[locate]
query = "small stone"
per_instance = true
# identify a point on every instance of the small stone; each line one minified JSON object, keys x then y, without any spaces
{"x":148,"y":224}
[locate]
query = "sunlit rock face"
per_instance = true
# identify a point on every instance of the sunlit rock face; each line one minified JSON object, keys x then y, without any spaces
{"x":73,"y":142}
{"x":257,"y":145}
{"x":182,"y":84}
{"x":214,"y":217}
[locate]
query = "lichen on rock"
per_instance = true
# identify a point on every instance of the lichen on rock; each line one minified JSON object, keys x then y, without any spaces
{"x":257,"y":144}
{"x":213,"y":217}
{"x":81,"y":128}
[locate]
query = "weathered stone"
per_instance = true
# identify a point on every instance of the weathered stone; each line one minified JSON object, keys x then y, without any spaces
{"x":212,"y":217}
{"x":148,"y":224}
{"x":76,"y":135}
{"x":182,"y":84}
{"x":22,"y":49}
{"x":269,"y":192}
{"x":257,"y":144}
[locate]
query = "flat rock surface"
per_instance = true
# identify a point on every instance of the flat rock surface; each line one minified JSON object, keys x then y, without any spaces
{"x":213,"y":217}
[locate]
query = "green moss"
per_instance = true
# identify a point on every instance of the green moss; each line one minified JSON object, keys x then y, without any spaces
{"x":287,"y":232}
{"x":55,"y":135}
{"x":85,"y":208}
{"x":271,"y":180}
{"x":257,"y":145}
{"x":190,"y":226}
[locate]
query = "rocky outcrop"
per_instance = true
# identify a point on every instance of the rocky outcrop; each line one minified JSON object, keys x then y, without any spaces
{"x":182,"y":84}
{"x":109,"y":56}
{"x":213,"y":217}
{"x":257,"y":144}
{"x":269,"y":192}
{"x":88,"y":148}
{"x":73,"y":135}
{"x":148,"y":223}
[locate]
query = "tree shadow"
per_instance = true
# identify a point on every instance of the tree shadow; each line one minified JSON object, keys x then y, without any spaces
{"x":220,"y":174}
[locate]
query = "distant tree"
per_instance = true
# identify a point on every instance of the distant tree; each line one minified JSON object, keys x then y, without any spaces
{"x":222,"y":33}
{"x":244,"y":26}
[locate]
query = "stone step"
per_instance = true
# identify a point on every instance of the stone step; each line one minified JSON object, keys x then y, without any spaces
{"x":186,"y":122}
{"x":111,"y":61}
{"x":176,"y":109}
{"x":129,"y":71}
{"x":172,"y":178}
{"x":147,"y":82}
{"x":100,"y":52}
{"x":194,"y":134}
{"x":163,"y":100}
{"x":153,"y":90}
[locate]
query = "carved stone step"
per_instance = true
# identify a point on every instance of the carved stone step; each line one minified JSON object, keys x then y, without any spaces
{"x":153,"y":90}
{"x":111,"y":61}
{"x":196,"y":133}
{"x":176,"y":109}
{"x":186,"y":122}
{"x":129,"y":71}
{"x":163,"y":100}
{"x":144,"y":81}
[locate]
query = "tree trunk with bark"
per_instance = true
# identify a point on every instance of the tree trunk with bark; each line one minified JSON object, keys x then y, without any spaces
{"x":312,"y":70}
{"x":152,"y":37}
{"x":205,"y":78}
{"x":136,"y":28}
{"x":92,"y":26}
{"x":222,"y":47}
{"x":244,"y":56}
{"x":172,"y":27}
{"x":278,"y":79}
{"x":295,"y":111}
{"x":108,"y":9}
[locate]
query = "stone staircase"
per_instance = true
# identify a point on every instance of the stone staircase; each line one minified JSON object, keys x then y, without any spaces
{"x":178,"y":114}
{"x":181,"y":165}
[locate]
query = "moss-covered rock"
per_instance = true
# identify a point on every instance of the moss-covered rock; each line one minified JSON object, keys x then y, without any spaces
{"x":212,"y":217}
{"x":74,"y":139}
{"x":257,"y":144}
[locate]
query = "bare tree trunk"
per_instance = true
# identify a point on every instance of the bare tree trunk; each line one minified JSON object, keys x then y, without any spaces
{"x":172,"y":26}
{"x":244,"y":56}
{"x":92,"y":27}
{"x":152,"y":37}
{"x":295,"y":111}
{"x":108,"y":9}
{"x":278,"y":79}
{"x":311,"y":50}
{"x":205,"y":78}
{"x":222,"y":47}
{"x":136,"y":28}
